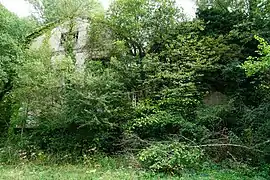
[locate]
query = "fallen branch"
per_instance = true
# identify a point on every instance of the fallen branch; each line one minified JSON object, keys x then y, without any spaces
{"x":231,"y":145}
{"x":266,"y":142}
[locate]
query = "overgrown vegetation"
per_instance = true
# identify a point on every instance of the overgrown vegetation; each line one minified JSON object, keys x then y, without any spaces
{"x":181,"y":96}
{"x":110,"y":168}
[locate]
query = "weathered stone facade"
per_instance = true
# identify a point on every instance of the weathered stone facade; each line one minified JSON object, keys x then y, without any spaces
{"x":56,"y":36}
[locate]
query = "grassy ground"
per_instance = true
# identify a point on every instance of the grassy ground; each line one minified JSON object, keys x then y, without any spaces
{"x":106,"y":170}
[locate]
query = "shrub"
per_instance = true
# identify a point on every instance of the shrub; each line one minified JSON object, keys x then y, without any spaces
{"x":162,"y":123}
{"x":69,"y":110}
{"x":215,"y":117}
{"x":8,"y":155}
{"x":156,"y":124}
{"x":171,"y":158}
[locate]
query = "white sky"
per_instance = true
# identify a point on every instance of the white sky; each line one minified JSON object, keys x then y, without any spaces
{"x":23,"y":9}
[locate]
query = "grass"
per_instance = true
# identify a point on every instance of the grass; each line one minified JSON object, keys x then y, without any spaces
{"x":106,"y":169}
{"x":79,"y":172}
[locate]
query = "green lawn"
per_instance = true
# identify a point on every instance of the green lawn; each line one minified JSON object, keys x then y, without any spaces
{"x":31,"y":171}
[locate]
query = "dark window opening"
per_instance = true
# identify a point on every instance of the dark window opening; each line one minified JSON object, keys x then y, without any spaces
{"x":64,"y":37}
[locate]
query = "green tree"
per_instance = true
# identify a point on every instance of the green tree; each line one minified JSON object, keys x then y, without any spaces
{"x":141,"y":26}
{"x":12,"y":33}
{"x":141,"y":22}
{"x":55,"y":10}
{"x":258,"y":64}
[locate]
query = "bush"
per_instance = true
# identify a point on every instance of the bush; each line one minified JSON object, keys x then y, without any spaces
{"x":8,"y":155}
{"x":256,"y":130}
{"x":171,"y":158}
{"x":156,"y":124}
{"x":69,"y":110}
{"x":161,"y":124}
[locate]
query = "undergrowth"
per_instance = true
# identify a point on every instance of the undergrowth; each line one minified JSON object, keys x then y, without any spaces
{"x":121,"y":167}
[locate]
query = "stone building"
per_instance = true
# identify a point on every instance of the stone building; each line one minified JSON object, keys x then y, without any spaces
{"x":56,"y":37}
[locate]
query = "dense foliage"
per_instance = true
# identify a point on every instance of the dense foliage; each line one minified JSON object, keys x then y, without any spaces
{"x":175,"y":91}
{"x":12,"y":30}
{"x":171,"y":158}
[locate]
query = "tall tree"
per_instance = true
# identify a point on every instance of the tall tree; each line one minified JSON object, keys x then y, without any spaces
{"x":55,"y":10}
{"x":13,"y":31}
{"x":141,"y":22}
